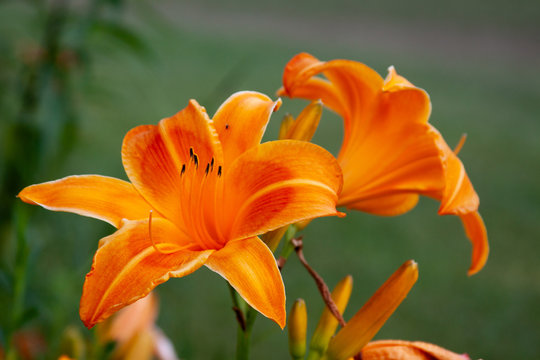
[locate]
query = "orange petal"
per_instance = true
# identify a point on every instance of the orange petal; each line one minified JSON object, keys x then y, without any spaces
{"x":369,"y":319}
{"x":386,"y":205}
{"x":241,"y":120}
{"x":100,"y":197}
{"x":458,"y":196}
{"x":414,"y":350}
{"x":249,"y":266}
{"x":278,"y":183}
{"x":127,"y":266}
{"x":476,"y":232}
{"x":153,"y":156}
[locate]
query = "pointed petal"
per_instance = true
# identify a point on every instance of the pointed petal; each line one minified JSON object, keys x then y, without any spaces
{"x":476,"y":232}
{"x":459,"y":198}
{"x":241,"y":120}
{"x":350,"y":340}
{"x":278,"y":183}
{"x":153,"y":156}
{"x":127,"y":266}
{"x":414,"y":350}
{"x":249,"y":266}
{"x":100,"y":197}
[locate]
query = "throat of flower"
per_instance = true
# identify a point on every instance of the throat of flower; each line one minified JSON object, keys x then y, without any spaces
{"x":163,"y":248}
{"x":201,"y":196}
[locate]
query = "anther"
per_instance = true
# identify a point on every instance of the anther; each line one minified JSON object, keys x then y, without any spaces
{"x":212,"y":164}
{"x":183,"y":169}
{"x":207,"y":168}
{"x":226,"y":126}
{"x":219,"y":170}
{"x":191,"y":153}
{"x":196,"y":161}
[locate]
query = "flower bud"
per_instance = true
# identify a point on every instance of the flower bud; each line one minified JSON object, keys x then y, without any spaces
{"x":303,"y":128}
{"x":350,"y":340}
{"x":328,"y":323}
{"x":297,"y":329}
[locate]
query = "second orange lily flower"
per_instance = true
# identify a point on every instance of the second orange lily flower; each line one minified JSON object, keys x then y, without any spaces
{"x":201,"y":191}
{"x":390,"y":153}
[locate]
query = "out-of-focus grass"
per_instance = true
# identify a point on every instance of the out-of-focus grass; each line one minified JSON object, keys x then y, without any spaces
{"x":492,"y":315}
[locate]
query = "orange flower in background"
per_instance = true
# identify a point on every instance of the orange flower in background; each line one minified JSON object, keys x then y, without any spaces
{"x":410,"y":350}
{"x":390,"y":153}
{"x":201,"y":191}
{"x":134,"y":331}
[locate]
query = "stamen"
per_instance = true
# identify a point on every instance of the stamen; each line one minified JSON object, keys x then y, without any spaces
{"x":212,"y":164}
{"x":219,"y":171}
{"x":460,"y":144}
{"x":183,"y":169}
{"x":196,"y":161}
{"x":191,"y":153}
{"x":207,"y":169}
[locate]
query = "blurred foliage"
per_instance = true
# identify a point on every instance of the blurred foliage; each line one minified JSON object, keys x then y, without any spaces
{"x":113,"y":65}
{"x":45,"y":50}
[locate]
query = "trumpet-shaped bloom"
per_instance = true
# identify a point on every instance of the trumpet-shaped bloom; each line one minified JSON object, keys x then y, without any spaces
{"x":201,"y":191}
{"x":390,"y":153}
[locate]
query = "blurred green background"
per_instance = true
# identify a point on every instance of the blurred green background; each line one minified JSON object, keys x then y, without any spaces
{"x":76,"y":76}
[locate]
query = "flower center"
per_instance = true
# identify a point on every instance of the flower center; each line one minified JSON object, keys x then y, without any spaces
{"x":202,"y":192}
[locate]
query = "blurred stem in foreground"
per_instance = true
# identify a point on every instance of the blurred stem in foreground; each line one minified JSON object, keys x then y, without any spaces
{"x":19,"y":286}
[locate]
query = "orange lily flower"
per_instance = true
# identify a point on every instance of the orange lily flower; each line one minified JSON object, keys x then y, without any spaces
{"x":390,"y":153}
{"x":410,"y":350}
{"x":135,"y":333}
{"x":201,"y":191}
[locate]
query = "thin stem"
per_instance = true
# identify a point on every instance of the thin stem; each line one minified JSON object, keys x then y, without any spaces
{"x":20,"y":278}
{"x":288,"y":248}
{"x":245,"y":316}
{"x":321,"y":285}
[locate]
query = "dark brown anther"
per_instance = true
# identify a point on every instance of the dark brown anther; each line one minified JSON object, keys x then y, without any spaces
{"x":196,"y":161}
{"x":212,"y":164}
{"x":183,"y":169}
{"x":207,"y":169}
{"x":226,"y":126}
{"x":219,"y":170}
{"x":191,"y":153}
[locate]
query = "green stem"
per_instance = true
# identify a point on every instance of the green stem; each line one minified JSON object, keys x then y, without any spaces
{"x":288,"y":247}
{"x":244,"y":335}
{"x":21,"y":266}
{"x":245,"y":315}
